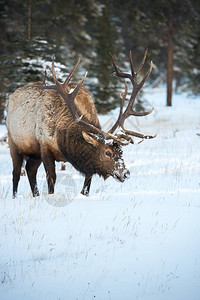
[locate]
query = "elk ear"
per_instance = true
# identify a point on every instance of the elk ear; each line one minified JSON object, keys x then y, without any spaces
{"x":89,"y":139}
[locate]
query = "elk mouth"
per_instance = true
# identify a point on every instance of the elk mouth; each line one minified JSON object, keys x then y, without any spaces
{"x":119,"y":178}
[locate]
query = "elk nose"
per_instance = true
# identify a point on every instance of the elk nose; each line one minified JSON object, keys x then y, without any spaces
{"x":126,"y":174}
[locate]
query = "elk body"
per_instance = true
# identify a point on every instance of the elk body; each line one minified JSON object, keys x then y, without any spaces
{"x":60,"y":123}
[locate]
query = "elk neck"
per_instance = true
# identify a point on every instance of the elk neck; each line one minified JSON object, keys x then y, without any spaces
{"x":77,"y":151}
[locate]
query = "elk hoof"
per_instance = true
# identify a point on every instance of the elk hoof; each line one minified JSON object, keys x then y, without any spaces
{"x":85,"y":192}
{"x":36,"y":193}
{"x":23,"y":173}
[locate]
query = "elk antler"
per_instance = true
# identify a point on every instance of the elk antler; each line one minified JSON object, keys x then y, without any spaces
{"x":129,"y":111}
{"x":124,"y":138}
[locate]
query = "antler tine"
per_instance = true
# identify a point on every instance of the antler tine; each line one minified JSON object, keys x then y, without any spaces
{"x":132,"y":67}
{"x":142,"y":62}
{"x":43,"y":84}
{"x":76,"y":90}
{"x":72,"y":73}
{"x":123,"y":98}
{"x":139,"y":135}
{"x":141,"y":114}
{"x":146,"y":76}
{"x":117,"y":71}
{"x":54,"y":75}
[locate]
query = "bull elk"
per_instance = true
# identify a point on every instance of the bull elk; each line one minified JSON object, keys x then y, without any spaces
{"x":48,"y":123}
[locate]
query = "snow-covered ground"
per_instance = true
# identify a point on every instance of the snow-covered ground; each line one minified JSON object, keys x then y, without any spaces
{"x":136,"y":240}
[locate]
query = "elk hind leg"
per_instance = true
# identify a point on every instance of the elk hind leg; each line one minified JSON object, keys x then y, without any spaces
{"x":32,"y":166}
{"x":17,"y":159}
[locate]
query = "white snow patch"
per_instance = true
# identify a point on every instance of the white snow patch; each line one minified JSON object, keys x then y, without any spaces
{"x":136,"y":240}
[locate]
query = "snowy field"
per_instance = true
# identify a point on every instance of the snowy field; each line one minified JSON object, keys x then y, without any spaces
{"x":132,"y":241}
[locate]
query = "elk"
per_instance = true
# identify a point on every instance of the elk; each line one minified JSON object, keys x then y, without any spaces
{"x":59,"y":122}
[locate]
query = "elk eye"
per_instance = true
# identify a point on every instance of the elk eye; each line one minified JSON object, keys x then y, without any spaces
{"x":108,"y":153}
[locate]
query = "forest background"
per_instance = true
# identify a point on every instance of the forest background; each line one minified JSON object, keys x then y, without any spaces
{"x":32,"y":32}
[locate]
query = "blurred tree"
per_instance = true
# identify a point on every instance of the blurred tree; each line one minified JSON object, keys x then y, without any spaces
{"x":106,"y":39}
{"x":169,"y":30}
{"x":32,"y":31}
{"x":170,"y":25}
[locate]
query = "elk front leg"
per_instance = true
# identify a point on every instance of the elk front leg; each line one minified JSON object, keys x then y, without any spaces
{"x":49,"y":165}
{"x":86,"y":186}
{"x":32,"y":166}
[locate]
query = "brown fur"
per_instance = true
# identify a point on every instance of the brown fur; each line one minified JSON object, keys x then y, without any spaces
{"x":41,"y":129}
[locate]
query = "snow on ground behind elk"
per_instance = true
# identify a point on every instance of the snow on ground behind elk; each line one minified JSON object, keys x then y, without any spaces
{"x":136,"y":240}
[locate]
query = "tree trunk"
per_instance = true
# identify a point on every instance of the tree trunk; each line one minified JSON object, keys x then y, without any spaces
{"x":29,"y":21}
{"x":170,"y":61}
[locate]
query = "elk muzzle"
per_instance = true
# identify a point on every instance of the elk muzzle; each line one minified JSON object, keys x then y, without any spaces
{"x":121,"y":175}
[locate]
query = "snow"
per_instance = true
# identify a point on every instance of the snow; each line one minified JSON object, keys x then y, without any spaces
{"x":134,"y":240}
